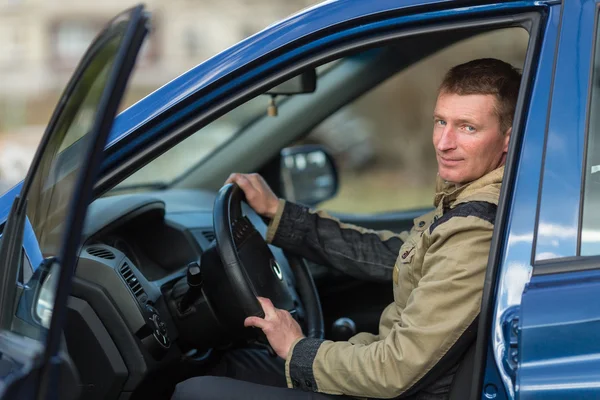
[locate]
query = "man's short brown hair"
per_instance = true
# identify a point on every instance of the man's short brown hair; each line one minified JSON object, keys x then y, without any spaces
{"x":487,"y":76}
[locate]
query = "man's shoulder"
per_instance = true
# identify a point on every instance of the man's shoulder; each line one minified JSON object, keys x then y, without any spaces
{"x":489,"y":193}
{"x":466,"y":213}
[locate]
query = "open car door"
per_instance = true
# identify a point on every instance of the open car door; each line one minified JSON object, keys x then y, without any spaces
{"x":34,"y":362}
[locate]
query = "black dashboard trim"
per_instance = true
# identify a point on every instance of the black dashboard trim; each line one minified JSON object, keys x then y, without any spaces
{"x":137,"y":363}
{"x":88,"y":338}
{"x":118,"y":212}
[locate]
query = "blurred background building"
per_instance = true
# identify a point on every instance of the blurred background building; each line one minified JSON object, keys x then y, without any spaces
{"x":41,"y":42}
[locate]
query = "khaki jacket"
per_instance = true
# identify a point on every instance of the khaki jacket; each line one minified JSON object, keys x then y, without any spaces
{"x":437,"y":273}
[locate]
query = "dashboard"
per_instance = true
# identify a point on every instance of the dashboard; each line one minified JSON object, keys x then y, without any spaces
{"x":131,"y":274}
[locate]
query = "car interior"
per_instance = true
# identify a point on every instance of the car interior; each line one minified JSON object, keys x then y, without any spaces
{"x":152,"y":303}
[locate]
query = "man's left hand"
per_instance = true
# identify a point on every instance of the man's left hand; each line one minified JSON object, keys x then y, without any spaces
{"x":278,"y":325}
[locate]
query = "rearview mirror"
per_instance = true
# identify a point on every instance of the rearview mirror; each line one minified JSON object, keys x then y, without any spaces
{"x":308,"y":174}
{"x":306,"y":82}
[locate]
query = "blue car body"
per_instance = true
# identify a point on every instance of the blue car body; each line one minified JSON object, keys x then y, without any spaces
{"x":545,"y":290}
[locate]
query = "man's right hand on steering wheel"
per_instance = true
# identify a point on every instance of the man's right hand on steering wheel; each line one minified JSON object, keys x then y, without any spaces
{"x":259,"y":195}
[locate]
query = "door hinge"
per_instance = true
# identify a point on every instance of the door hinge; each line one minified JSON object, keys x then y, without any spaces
{"x":511,"y":331}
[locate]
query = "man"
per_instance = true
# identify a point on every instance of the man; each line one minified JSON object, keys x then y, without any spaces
{"x":437,"y":269}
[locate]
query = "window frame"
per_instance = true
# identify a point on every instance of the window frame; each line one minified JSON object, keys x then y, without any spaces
{"x":577,"y":262}
{"x":591,"y":95}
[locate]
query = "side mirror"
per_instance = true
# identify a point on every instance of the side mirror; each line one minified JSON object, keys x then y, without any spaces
{"x":306,"y":82}
{"x":36,"y":300}
{"x":44,"y":301}
{"x":308,"y":174}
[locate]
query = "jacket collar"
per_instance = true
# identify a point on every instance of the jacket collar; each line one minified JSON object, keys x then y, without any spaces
{"x":450,"y":193}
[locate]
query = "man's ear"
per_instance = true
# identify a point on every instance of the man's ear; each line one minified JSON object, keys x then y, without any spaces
{"x":507,"y":139}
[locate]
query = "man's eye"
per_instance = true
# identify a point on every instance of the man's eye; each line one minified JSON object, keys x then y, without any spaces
{"x":470,"y":128}
{"x":440,"y":122}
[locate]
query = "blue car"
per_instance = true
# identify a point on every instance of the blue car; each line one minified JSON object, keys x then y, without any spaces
{"x":113,"y":248}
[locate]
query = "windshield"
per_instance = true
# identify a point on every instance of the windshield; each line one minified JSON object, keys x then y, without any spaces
{"x":200,"y":145}
{"x":194,"y":149}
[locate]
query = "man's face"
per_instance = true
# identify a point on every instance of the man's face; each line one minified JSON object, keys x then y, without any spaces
{"x":467,"y":137}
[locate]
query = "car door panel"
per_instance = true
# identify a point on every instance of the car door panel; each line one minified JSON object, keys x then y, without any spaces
{"x":47,"y":217}
{"x":555,"y":346}
{"x":560,"y":350}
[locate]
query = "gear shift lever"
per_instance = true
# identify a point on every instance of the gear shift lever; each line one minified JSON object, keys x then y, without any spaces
{"x":343,"y":329}
{"x":194,"y":281}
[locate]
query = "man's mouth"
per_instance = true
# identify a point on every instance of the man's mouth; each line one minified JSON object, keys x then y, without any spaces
{"x":448,"y":161}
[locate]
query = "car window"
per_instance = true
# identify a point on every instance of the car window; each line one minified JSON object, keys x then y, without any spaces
{"x":54,"y":184}
{"x":382,"y":141}
{"x":53,"y":187}
{"x":590,"y":222}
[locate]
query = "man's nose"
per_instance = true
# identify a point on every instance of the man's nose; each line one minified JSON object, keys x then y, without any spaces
{"x":447,"y":139}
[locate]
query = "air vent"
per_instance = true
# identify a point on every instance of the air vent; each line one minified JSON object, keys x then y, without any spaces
{"x":208,"y":235}
{"x":132,"y":281}
{"x":101,"y":252}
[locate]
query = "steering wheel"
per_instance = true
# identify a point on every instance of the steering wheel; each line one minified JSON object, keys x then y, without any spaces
{"x":249,"y":269}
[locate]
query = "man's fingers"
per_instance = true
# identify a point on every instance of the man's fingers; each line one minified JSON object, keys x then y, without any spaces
{"x":234,"y":178}
{"x":256,"y":322}
{"x":246,"y":185}
{"x":266,"y":303}
{"x":258,"y":194}
{"x":230,"y":178}
{"x":253,"y":179}
{"x":267,"y":306}
{"x":238,"y":178}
